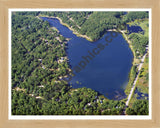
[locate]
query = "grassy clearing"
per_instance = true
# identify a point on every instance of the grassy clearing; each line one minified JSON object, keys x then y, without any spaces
{"x":142,"y":83}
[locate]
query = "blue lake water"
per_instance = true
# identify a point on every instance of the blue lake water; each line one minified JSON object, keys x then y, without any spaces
{"x":141,"y":95}
{"x":107,"y":72}
{"x":134,"y":29}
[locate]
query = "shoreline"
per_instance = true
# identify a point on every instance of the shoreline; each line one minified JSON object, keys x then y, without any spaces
{"x":127,"y":40}
{"x":140,"y":62}
{"x":84,"y":36}
{"x":133,"y":61}
{"x":74,"y":32}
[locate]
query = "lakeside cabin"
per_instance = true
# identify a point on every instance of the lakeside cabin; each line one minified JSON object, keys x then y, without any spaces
{"x":62,"y":59}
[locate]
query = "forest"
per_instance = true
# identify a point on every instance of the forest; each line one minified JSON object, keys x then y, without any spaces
{"x":37,"y":88}
{"x":139,"y":104}
{"x":91,"y":24}
{"x":140,"y":101}
{"x":95,"y":24}
{"x":83,"y":101}
{"x":131,"y":16}
{"x":39,"y":62}
{"x":139,"y":43}
{"x":139,"y":107}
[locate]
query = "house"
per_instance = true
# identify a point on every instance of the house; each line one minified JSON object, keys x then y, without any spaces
{"x":39,"y":97}
{"x":61,"y":60}
{"x":43,"y":67}
{"x":40,"y":60}
{"x":41,"y":86}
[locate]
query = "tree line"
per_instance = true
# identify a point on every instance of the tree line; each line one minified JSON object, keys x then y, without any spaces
{"x":37,"y":88}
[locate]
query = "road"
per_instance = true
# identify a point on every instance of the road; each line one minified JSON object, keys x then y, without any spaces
{"x":136,"y":78}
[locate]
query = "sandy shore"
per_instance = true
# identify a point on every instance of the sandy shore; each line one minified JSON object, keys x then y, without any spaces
{"x":86,"y":37}
{"x":76,"y":33}
{"x":128,"y":41}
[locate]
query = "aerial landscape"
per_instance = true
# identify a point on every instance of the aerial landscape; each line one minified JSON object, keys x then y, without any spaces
{"x":80,"y":63}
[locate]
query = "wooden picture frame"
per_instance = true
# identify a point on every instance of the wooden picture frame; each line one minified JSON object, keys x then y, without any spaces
{"x":4,"y":65}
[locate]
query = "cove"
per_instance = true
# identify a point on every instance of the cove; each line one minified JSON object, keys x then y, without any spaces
{"x":107,"y":73}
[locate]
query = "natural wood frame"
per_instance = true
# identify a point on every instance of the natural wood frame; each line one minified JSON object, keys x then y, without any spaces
{"x":4,"y":33}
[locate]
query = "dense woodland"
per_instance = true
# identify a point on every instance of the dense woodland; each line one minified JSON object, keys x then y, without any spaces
{"x":139,"y":102}
{"x":37,"y":72}
{"x":139,"y":107}
{"x":95,"y":24}
{"x":83,"y":101}
{"x":131,"y":16}
{"x":37,"y":88}
{"x":92,"y":24}
{"x":139,"y":43}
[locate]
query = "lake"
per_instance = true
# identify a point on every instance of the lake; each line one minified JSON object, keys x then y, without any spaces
{"x":106,"y":73}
